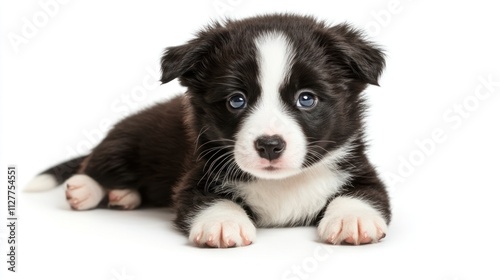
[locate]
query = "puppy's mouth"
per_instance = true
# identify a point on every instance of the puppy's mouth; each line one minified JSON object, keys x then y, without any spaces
{"x":273,"y":167}
{"x":270,"y":165}
{"x":270,"y":168}
{"x":265,"y":169}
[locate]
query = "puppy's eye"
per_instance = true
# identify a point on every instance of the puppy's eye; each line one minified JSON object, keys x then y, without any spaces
{"x":306,"y":100}
{"x":237,"y":101}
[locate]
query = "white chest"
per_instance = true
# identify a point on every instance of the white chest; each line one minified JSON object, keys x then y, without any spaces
{"x":293,"y":200}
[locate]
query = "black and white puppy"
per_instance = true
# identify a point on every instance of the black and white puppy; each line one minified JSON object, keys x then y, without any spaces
{"x":268,"y":134}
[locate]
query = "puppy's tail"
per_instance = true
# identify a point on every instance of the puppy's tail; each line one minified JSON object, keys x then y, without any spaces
{"x":55,"y":175}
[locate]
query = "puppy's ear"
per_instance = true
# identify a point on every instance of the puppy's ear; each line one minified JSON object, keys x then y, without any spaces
{"x":178,"y":60}
{"x":363,"y":58}
{"x":184,"y":61}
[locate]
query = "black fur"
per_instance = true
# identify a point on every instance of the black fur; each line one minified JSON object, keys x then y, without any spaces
{"x":63,"y":171}
{"x":163,"y":151}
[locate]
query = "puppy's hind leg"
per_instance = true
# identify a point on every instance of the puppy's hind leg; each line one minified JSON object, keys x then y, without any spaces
{"x":83,"y":192}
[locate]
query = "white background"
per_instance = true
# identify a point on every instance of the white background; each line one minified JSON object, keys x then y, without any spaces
{"x":83,"y":64}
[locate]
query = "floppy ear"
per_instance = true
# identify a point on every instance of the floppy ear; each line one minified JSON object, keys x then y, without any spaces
{"x":184,"y":61}
{"x":178,"y":60}
{"x":363,"y":58}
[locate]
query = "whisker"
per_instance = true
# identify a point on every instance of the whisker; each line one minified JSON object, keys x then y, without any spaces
{"x":236,"y":174}
{"x":232,"y":169}
{"x":208,"y":161}
{"x":216,"y":140}
{"x":202,"y":130}
{"x":205,"y":152}
{"x":319,"y":147}
{"x":221,"y":168}
{"x":211,"y":179}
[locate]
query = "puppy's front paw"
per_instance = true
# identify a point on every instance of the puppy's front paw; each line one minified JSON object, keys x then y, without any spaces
{"x":222,"y":225}
{"x":83,"y":192}
{"x":352,"y":221}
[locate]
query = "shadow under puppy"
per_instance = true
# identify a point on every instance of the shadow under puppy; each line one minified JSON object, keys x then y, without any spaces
{"x":268,"y":134}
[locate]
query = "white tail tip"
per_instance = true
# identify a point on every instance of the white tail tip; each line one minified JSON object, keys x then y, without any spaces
{"x":42,"y":182}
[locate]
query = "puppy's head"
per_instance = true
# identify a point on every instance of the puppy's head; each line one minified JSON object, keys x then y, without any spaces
{"x":274,"y":94}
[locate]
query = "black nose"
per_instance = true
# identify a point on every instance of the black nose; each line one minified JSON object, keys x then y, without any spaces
{"x":270,"y":147}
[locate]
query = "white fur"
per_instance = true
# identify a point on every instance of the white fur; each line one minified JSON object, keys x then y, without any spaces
{"x":297,"y":198}
{"x":127,"y":199}
{"x":269,"y":117}
{"x":352,"y":219}
{"x":41,"y":182}
{"x":83,"y":192}
{"x":222,"y":224}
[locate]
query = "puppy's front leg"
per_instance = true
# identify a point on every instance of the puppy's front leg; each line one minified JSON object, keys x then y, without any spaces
{"x":359,"y":215}
{"x":221,"y":224}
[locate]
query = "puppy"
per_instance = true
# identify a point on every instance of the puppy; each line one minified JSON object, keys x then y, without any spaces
{"x":268,"y":134}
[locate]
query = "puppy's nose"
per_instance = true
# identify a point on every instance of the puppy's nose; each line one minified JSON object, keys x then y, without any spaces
{"x":270,"y":147}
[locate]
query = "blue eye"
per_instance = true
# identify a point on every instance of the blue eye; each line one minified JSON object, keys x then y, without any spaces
{"x":306,"y":100}
{"x":237,"y":101}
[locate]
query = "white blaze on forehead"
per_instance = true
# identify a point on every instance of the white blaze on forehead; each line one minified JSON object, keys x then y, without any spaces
{"x":274,"y":55}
